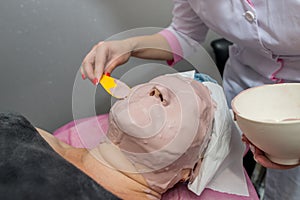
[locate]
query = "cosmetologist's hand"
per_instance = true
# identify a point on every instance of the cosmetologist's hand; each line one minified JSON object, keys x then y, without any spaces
{"x":259,"y":156}
{"x":104,"y":57}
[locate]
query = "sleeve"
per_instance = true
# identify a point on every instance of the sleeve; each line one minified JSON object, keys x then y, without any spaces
{"x":185,"y":32}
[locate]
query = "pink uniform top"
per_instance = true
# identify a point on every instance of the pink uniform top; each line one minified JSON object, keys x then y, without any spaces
{"x":265,"y":35}
{"x":266,"y":50}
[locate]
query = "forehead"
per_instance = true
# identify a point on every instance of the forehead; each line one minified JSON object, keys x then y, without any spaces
{"x":174,"y":82}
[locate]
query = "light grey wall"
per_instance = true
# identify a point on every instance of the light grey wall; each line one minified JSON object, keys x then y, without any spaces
{"x":44,"y":41}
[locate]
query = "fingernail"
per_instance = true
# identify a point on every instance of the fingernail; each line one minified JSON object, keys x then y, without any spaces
{"x":95,"y":81}
{"x":252,"y":148}
{"x":107,"y":73}
{"x":83,"y":76}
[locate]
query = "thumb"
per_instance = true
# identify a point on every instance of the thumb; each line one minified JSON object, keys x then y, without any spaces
{"x":115,"y":63}
{"x":109,"y":69}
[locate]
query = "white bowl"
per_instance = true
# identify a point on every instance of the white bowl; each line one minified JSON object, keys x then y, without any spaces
{"x":269,"y":116}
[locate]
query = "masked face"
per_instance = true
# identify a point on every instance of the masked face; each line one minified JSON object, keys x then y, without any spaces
{"x":163,"y":127}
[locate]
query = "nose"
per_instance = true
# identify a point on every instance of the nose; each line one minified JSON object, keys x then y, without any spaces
{"x":155,"y":92}
{"x":158,"y":94}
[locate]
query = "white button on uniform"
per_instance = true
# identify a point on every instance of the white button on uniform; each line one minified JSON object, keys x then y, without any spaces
{"x":250,"y":16}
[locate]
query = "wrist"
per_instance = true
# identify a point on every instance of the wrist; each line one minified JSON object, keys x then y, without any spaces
{"x":132,"y":45}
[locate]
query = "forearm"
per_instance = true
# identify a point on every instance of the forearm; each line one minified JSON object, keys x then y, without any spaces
{"x":150,"y":47}
{"x":106,"y":56}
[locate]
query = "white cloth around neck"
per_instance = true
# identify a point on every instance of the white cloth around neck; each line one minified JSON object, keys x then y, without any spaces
{"x":222,"y":168}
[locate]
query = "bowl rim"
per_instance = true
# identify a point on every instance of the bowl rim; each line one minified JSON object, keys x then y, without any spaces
{"x":235,"y":110}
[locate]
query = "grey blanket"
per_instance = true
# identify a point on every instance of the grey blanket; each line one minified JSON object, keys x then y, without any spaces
{"x":30,"y":169}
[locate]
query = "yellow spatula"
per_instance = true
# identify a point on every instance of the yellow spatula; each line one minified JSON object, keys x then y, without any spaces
{"x":114,"y":87}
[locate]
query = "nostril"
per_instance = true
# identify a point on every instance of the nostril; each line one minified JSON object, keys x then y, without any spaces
{"x":155,"y":92}
{"x":152,"y":93}
{"x":161,"y":97}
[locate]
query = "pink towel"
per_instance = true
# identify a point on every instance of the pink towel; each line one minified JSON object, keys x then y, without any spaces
{"x":88,"y":132}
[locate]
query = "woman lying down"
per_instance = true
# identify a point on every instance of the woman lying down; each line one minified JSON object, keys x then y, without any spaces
{"x":159,"y":136}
